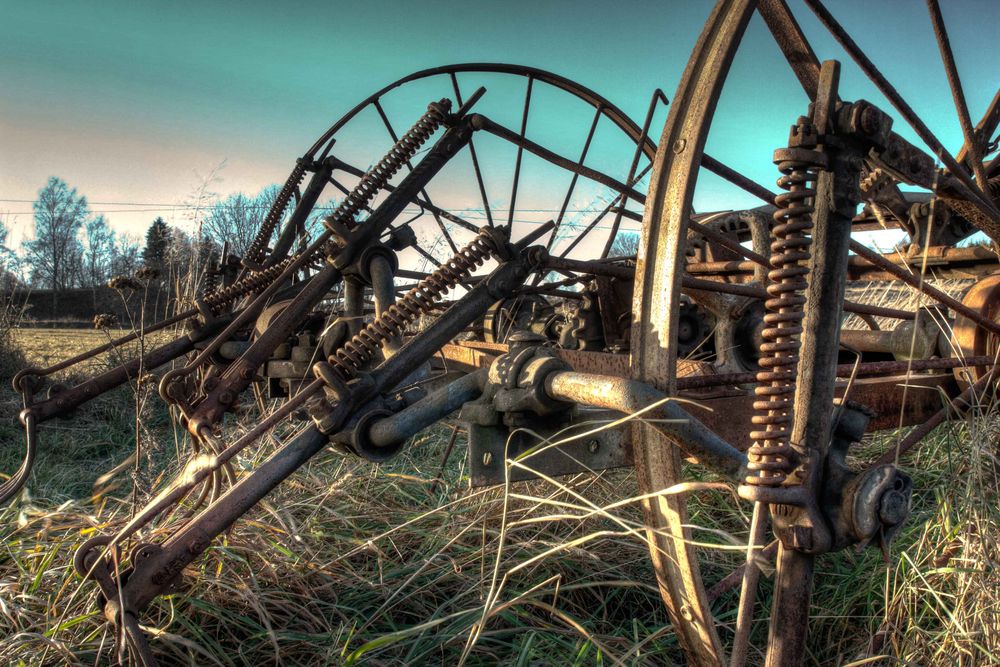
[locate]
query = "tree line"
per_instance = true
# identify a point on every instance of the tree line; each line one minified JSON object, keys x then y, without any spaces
{"x":72,"y":247}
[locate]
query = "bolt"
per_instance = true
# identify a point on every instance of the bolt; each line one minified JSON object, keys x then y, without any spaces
{"x":226,"y":397}
{"x":869,"y":120}
{"x":593,"y":446}
{"x":801,"y":538}
{"x":487,"y":458}
{"x":892,"y":508}
{"x":679,"y":146}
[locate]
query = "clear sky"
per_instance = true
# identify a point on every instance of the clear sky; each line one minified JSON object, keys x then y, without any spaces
{"x":136,"y":102}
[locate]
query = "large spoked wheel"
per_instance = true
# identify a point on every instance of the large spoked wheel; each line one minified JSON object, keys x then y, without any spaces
{"x":551,"y":150}
{"x":678,"y":166}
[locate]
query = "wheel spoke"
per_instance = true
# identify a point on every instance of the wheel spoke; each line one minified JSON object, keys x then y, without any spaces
{"x":974,"y":193}
{"x":475,"y":159}
{"x":520,"y":153}
{"x":640,"y":146}
{"x":957,"y":94}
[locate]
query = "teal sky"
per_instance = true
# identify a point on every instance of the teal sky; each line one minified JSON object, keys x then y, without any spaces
{"x":137,"y":102}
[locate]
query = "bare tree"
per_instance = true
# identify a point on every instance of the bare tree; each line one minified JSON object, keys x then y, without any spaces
{"x":625,"y":244}
{"x":125,"y":255}
{"x":54,"y":254}
{"x":99,"y":242}
{"x":238,"y":217}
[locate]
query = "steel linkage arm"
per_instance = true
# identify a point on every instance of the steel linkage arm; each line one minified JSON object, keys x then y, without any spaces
{"x":350,"y":239}
{"x":155,"y":567}
{"x":668,"y":416}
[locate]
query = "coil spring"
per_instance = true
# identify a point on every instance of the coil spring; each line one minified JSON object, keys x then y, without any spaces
{"x":771,"y":457}
{"x":363,"y":347}
{"x":211,"y":283}
{"x":246,"y":285}
{"x":378,"y":176}
{"x":255,"y":253}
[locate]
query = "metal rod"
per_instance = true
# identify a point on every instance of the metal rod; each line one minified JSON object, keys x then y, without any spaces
{"x":576,"y":176}
{"x":400,"y":427}
{"x":929,"y":290}
{"x":920,"y":432}
{"x":631,"y":396}
{"x":475,"y":160}
{"x":975,"y":194}
{"x":409,"y":165}
{"x":863,"y":370}
{"x":520,"y":153}
{"x":658,"y":95}
{"x":957,"y":94}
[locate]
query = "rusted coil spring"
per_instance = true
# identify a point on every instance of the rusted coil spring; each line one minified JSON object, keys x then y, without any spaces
{"x":362,"y":348}
{"x":378,"y":176}
{"x":246,"y":285}
{"x":771,"y":457}
{"x":255,"y":253}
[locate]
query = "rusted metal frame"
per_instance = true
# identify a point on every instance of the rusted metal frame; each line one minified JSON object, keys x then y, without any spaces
{"x":640,"y":148}
{"x":793,"y":44}
{"x":252,"y":310}
{"x":475,"y":159}
{"x":985,"y":128}
{"x":954,"y":407}
{"x":929,"y":290}
{"x":755,"y":292}
{"x":296,"y":221}
{"x":451,"y":142}
{"x":804,"y":532}
{"x":727,"y":243}
{"x":241,"y":372}
{"x":737,"y":179}
{"x":958,"y":95}
{"x":392,"y":431}
{"x":588,"y":266}
{"x":196,"y":473}
{"x":863,"y":370}
{"x":942,"y":257}
{"x":422,"y":203}
{"x":572,"y":185}
{"x":656,"y":305}
{"x":974,"y":192}
{"x":409,"y":164}
{"x":79,"y":394}
{"x":600,"y":216}
{"x":669,"y":418}
{"x":164,"y":563}
{"x":384,"y":295}
{"x":481,"y":122}
{"x":520,"y":153}
{"x":83,"y":356}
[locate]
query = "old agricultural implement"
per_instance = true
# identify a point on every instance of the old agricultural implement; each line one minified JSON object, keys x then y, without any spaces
{"x":500,"y":204}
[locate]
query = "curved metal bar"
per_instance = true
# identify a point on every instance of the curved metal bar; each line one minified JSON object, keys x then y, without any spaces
{"x":609,"y":110}
{"x":17,"y":481}
{"x":656,"y":307}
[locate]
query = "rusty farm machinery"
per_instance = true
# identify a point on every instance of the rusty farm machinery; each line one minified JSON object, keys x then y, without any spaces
{"x":527,"y":319}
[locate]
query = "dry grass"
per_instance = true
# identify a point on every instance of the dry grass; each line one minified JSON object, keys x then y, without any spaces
{"x":349,"y":563}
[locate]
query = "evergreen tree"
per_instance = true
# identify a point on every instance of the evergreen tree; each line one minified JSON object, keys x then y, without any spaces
{"x":158,"y":239}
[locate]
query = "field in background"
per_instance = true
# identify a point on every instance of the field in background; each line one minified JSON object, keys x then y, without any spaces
{"x":48,"y":346}
{"x":352,"y":563}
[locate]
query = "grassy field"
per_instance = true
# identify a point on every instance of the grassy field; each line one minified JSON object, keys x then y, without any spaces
{"x":350,"y":563}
